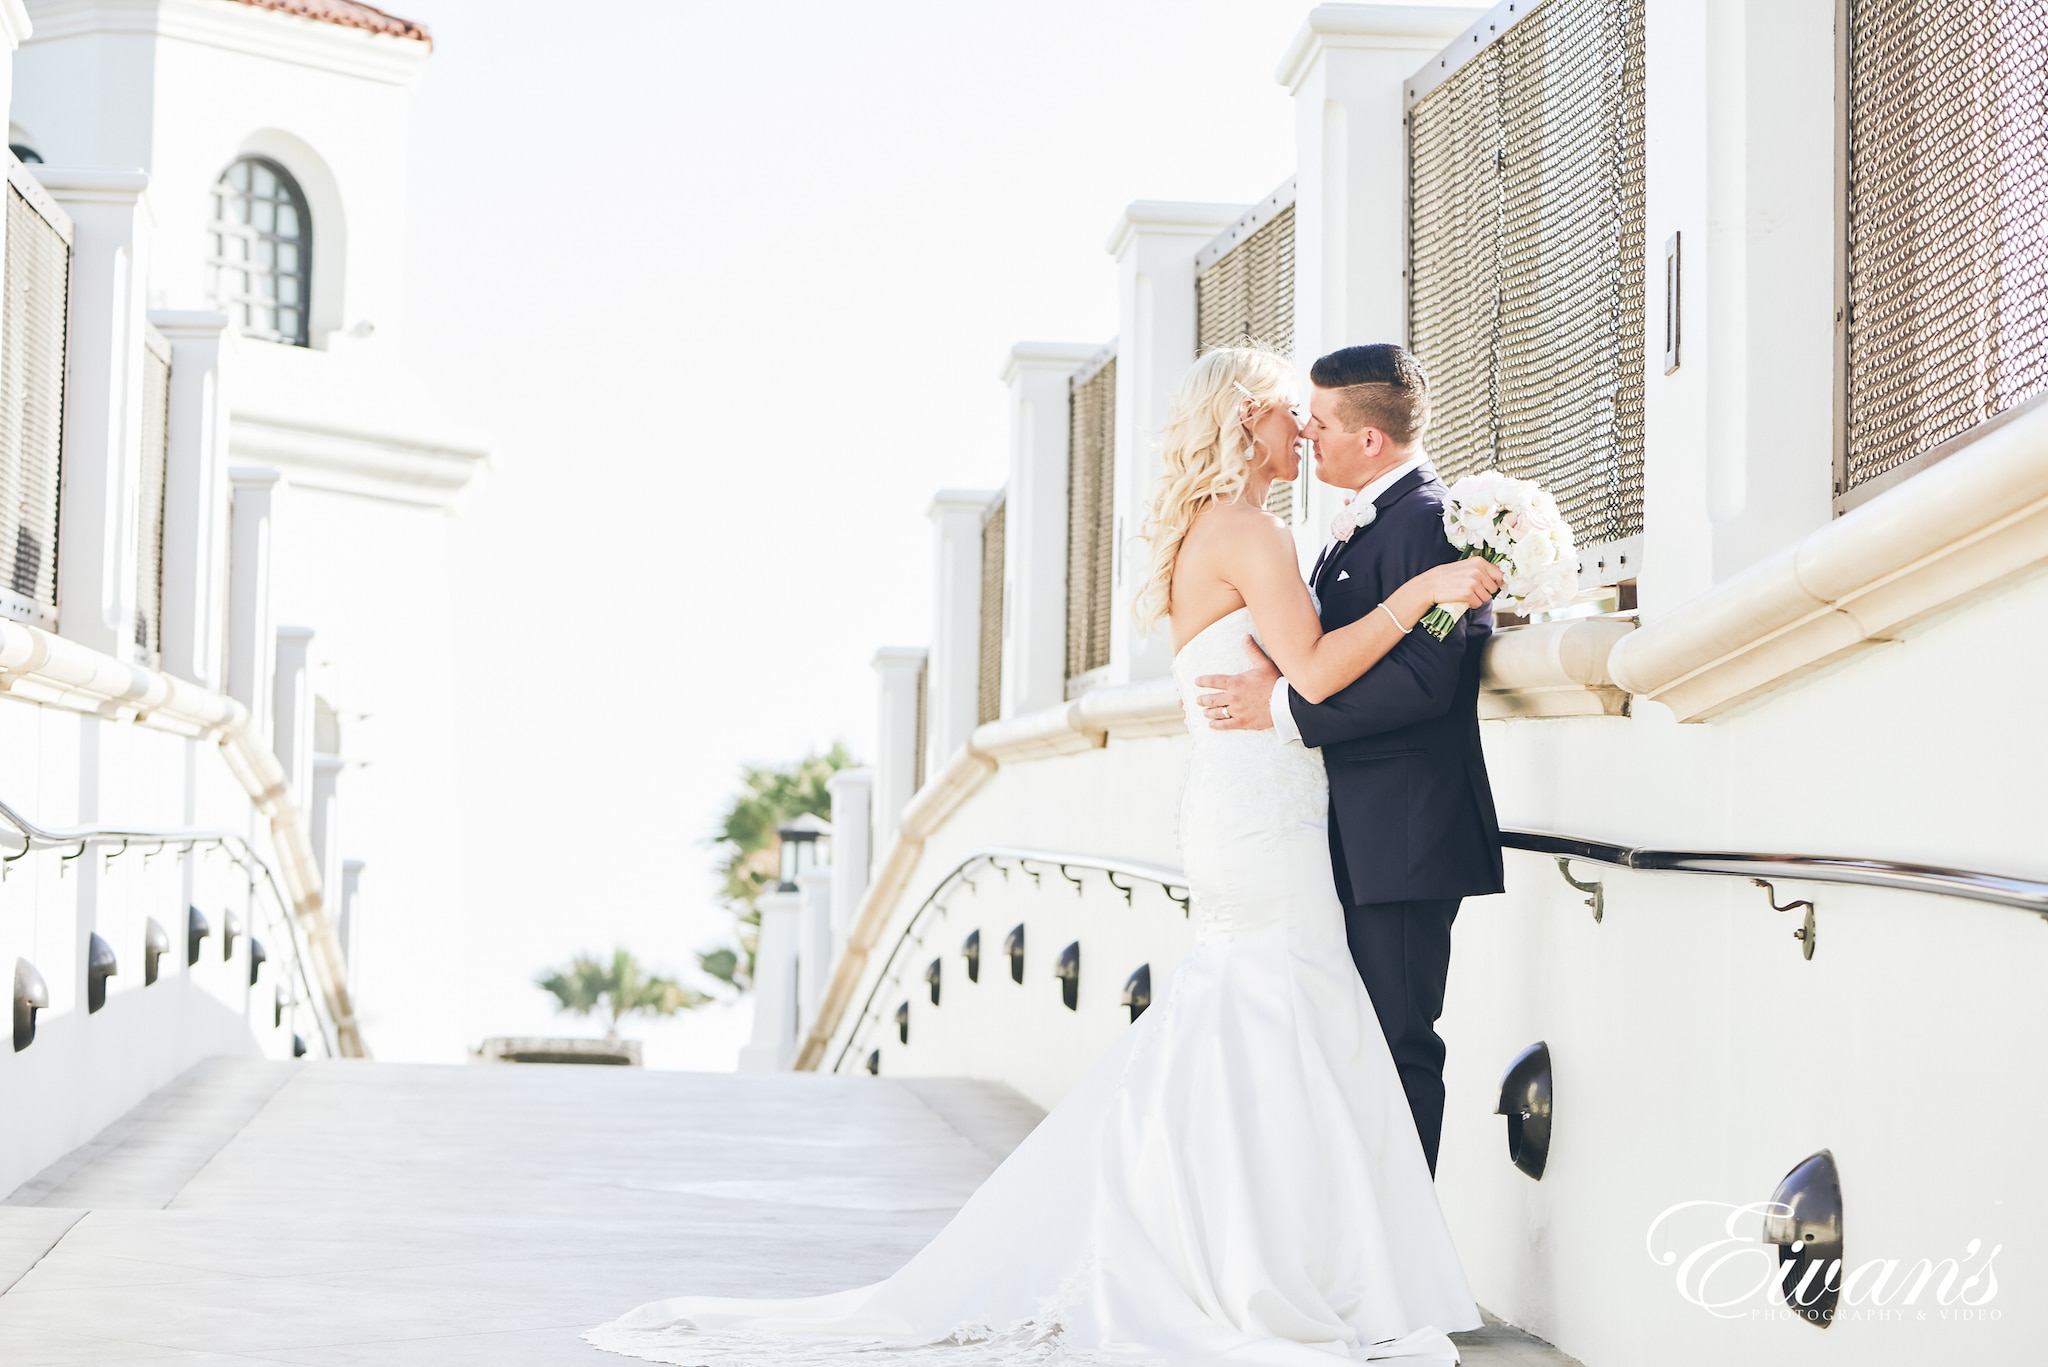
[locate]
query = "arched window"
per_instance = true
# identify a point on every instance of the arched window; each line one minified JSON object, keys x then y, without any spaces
{"x":263,"y":250}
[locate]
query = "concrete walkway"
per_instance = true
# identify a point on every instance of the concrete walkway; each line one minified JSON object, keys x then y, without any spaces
{"x":331,"y":1213}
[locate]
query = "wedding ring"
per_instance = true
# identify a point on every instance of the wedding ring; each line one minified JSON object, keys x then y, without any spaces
{"x":1226,"y":711}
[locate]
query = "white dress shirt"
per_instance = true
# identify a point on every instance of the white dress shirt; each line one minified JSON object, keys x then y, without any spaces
{"x":1283,"y":710}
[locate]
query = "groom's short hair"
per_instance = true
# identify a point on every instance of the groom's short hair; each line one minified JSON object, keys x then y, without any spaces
{"x":1380,"y":385}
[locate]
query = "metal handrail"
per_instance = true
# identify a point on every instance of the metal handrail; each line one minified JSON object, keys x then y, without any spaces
{"x":1167,"y":879}
{"x":2025,"y":893}
{"x":237,"y":848}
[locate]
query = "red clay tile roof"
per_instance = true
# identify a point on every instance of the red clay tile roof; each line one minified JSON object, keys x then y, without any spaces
{"x":349,"y":14}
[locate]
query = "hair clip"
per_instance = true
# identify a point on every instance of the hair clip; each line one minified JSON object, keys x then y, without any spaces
{"x":1238,"y":385}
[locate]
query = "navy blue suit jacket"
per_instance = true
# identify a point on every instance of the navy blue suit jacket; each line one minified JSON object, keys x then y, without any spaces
{"x":1409,"y":798}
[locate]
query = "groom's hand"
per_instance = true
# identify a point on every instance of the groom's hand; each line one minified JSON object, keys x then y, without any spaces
{"x":1241,"y":702}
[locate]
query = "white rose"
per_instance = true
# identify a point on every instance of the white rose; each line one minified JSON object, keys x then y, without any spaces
{"x":1535,"y":551}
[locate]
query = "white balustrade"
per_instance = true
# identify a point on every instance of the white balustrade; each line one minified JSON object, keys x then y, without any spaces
{"x":853,"y":793}
{"x":291,"y":737}
{"x":814,"y":953}
{"x":195,"y":474}
{"x":773,"y":1047}
{"x":1035,"y":524}
{"x":899,"y":739}
{"x":952,"y":686}
{"x":97,"y":512}
{"x":1154,"y":245}
{"x":250,"y":640}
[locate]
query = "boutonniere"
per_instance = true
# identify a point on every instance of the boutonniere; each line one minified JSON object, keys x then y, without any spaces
{"x":1359,"y":512}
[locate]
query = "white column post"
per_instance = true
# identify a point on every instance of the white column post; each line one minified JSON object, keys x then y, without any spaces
{"x":195,"y":493}
{"x":1347,"y":70}
{"x":1035,"y":524}
{"x":102,"y":404}
{"x":1154,"y":245}
{"x":349,"y":925}
{"x":323,"y":816}
{"x":952,"y":688}
{"x":773,"y":1047}
{"x":291,"y":736}
{"x":853,"y":792}
{"x":899,"y":740}
{"x":814,"y":953}
{"x":250,"y":640}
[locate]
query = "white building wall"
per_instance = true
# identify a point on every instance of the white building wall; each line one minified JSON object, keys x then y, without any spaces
{"x":361,"y":550}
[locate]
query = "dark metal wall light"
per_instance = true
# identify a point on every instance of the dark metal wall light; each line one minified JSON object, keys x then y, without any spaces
{"x":100,"y":965}
{"x":1805,"y":1222}
{"x":931,"y":976}
{"x":971,"y":951}
{"x":258,"y":956}
{"x":298,"y":1046}
{"x":1013,"y":945}
{"x":196,"y":930}
{"x":31,"y":994}
{"x":156,"y":943}
{"x":874,"y":1063}
{"x":1525,"y":1101}
{"x":903,"y":1023}
{"x":1138,"y":990}
{"x":1068,"y":971}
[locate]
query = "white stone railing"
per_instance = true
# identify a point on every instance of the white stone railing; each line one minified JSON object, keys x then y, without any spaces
{"x":1959,"y":526}
{"x":38,"y":666}
{"x":1964,"y":524}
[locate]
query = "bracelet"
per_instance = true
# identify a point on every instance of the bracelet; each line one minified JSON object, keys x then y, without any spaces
{"x":1395,"y":620}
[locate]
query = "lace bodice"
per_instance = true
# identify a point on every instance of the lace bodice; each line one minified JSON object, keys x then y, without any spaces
{"x":1254,"y":811}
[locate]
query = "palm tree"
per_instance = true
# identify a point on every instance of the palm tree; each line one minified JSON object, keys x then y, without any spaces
{"x":770,"y":796}
{"x":621,"y":988}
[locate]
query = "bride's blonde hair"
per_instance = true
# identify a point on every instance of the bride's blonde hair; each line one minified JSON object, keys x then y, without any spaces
{"x":1205,"y":456}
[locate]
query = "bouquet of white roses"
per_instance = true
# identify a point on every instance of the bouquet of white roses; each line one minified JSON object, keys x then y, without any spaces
{"x":1516,"y":525}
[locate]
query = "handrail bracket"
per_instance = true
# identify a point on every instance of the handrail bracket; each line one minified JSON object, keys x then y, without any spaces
{"x":1598,"y":901}
{"x":1807,"y":932}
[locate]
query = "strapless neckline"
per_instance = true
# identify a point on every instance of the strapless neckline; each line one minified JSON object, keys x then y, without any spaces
{"x":1226,"y":617}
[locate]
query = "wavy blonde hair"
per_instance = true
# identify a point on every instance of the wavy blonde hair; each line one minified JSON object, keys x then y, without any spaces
{"x":1205,"y":456}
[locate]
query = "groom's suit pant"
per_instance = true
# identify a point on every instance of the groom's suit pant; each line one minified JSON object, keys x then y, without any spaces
{"x":1403,"y":952}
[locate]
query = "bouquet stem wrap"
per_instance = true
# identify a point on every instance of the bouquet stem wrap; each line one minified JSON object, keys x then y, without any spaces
{"x":1444,"y":616}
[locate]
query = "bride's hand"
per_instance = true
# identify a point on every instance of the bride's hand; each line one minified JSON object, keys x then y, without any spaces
{"x":1472,"y":581}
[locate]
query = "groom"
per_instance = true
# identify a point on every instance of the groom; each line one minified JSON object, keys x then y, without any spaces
{"x":1412,"y":827}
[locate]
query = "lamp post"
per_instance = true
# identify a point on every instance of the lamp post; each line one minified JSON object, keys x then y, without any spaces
{"x":806,"y":844}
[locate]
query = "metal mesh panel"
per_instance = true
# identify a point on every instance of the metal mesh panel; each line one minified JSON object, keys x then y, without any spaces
{"x":1091,"y":518}
{"x":989,"y":686}
{"x":1526,"y":260}
{"x":1248,"y":292}
{"x":149,"y":523}
{"x":37,"y":274}
{"x":1947,"y":318}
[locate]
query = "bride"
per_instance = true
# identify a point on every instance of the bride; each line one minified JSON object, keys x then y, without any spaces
{"x":1238,"y":1179}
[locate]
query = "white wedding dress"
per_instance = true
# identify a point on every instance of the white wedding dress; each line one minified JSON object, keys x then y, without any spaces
{"x":1237,"y":1180}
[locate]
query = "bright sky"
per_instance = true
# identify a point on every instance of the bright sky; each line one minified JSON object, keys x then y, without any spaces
{"x":730,"y":285}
